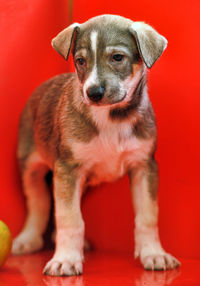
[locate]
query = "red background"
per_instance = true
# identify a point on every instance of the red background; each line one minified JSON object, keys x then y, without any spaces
{"x":27,"y":59}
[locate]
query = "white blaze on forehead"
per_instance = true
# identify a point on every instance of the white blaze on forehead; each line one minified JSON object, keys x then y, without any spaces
{"x":93,"y":38}
{"x":93,"y":77}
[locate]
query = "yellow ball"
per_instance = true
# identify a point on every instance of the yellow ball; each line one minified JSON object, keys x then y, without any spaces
{"x":5,"y":242}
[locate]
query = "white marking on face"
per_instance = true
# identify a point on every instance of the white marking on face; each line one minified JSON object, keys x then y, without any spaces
{"x":93,"y":77}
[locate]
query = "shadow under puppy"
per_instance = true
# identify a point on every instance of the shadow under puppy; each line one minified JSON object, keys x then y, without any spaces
{"x":89,"y":127}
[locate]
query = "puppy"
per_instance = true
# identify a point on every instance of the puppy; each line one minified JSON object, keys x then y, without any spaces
{"x":88,"y":127}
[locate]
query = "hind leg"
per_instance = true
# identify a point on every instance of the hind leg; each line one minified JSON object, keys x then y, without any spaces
{"x":38,"y":206}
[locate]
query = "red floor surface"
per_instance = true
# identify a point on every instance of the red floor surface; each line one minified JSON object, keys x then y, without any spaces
{"x":99,"y":269}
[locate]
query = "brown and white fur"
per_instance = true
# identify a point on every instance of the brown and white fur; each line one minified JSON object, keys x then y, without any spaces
{"x":89,"y":127}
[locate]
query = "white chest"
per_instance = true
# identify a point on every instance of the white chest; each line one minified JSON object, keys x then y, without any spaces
{"x":108,"y":156}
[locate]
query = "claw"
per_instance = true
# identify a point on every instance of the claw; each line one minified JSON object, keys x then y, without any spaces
{"x":63,"y":268}
{"x":160,"y":262}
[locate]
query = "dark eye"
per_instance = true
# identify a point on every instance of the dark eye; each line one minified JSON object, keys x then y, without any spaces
{"x":117,"y":58}
{"x":81,"y":61}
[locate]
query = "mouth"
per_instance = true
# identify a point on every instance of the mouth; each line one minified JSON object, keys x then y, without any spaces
{"x":106,"y":101}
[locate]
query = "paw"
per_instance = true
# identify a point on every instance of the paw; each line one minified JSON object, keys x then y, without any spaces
{"x":163,"y":261}
{"x":26,"y":243}
{"x":56,"y":267}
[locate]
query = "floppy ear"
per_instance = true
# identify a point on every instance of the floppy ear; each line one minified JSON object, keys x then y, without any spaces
{"x":150,"y":44}
{"x":62,"y":43}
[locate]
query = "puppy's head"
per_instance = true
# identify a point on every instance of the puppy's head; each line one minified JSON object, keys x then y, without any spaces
{"x":109,"y":55}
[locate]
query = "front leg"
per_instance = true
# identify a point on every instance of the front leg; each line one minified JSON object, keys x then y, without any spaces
{"x":68,"y":256}
{"x":144,"y":186}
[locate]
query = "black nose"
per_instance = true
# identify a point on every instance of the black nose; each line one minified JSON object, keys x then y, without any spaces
{"x":95,"y":93}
